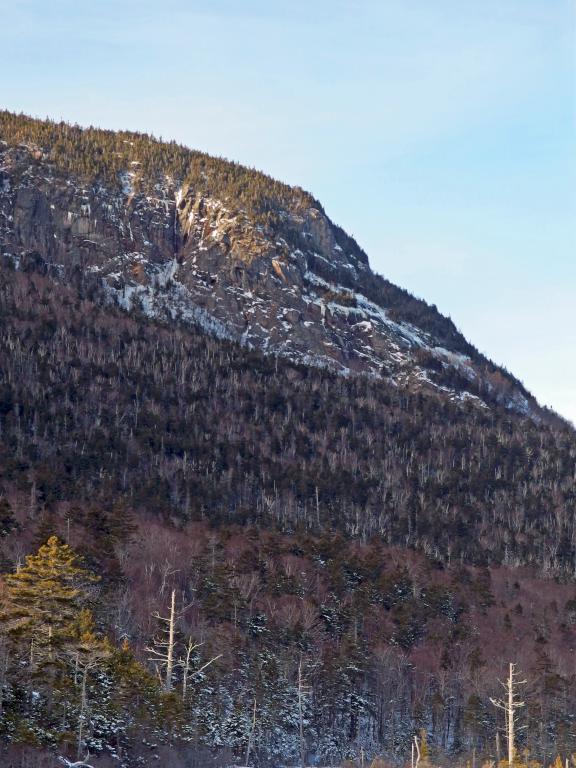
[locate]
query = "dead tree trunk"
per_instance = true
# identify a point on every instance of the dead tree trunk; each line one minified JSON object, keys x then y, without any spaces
{"x":509,"y":704}
{"x":162,"y":649}
{"x":170,"y":649}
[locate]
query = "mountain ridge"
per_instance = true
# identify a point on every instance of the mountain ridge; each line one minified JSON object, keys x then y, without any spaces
{"x":185,"y":237}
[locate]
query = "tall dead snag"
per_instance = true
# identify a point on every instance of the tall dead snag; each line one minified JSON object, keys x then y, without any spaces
{"x":420,"y":749}
{"x":510,"y":704}
{"x":163,"y":648}
{"x":415,"y":753}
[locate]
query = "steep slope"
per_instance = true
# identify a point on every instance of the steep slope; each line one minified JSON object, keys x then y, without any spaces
{"x":184,"y":237}
{"x":177,"y":335}
{"x":374,"y":532}
{"x":202,"y":244}
{"x":97,"y":404}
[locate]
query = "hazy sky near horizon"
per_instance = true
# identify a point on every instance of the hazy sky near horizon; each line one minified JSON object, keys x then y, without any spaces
{"x":440,"y":133}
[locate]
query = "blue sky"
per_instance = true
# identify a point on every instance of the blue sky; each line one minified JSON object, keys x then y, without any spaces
{"x":440,"y":133}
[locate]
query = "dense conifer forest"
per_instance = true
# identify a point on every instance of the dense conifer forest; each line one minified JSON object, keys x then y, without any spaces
{"x":210,"y":556}
{"x":278,"y":503}
{"x":93,"y":154}
{"x":97,"y":404}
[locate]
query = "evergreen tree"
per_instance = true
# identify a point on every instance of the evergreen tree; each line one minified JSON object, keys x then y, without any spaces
{"x":44,"y":597}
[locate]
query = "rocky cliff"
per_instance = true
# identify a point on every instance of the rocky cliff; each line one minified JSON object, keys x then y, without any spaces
{"x":191,"y":247}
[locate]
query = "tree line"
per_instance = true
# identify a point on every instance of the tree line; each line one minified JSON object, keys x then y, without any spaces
{"x":95,"y":155}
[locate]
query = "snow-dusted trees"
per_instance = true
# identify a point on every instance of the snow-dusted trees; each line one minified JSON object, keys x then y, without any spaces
{"x":86,"y":652}
{"x":61,"y":679}
{"x":170,"y":653}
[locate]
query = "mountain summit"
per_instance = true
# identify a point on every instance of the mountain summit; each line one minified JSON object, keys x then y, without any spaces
{"x":184,"y":237}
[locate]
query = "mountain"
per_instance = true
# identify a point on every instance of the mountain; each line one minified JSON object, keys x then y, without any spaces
{"x":186,"y":238}
{"x":204,"y":388}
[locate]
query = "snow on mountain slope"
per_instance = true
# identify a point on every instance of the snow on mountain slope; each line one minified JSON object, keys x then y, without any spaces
{"x":298,"y":287}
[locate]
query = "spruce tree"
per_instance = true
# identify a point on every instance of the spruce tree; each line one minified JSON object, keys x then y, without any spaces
{"x":44,"y":597}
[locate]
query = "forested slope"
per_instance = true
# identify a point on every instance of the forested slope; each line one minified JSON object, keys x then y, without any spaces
{"x":97,"y":404}
{"x":281,"y":503}
{"x":396,"y":519}
{"x":187,"y":238}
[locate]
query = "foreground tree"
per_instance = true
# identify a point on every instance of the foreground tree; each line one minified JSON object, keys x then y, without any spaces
{"x":45,"y":596}
{"x":163,"y":648}
{"x":509,"y":705}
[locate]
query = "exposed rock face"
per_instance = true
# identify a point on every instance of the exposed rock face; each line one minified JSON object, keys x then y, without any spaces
{"x":302,"y":288}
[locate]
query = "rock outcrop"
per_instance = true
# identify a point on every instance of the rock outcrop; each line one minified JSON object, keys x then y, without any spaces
{"x":295,"y":286}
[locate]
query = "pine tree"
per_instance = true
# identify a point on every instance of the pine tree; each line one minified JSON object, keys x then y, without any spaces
{"x":44,"y":597}
{"x":137,"y":693}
